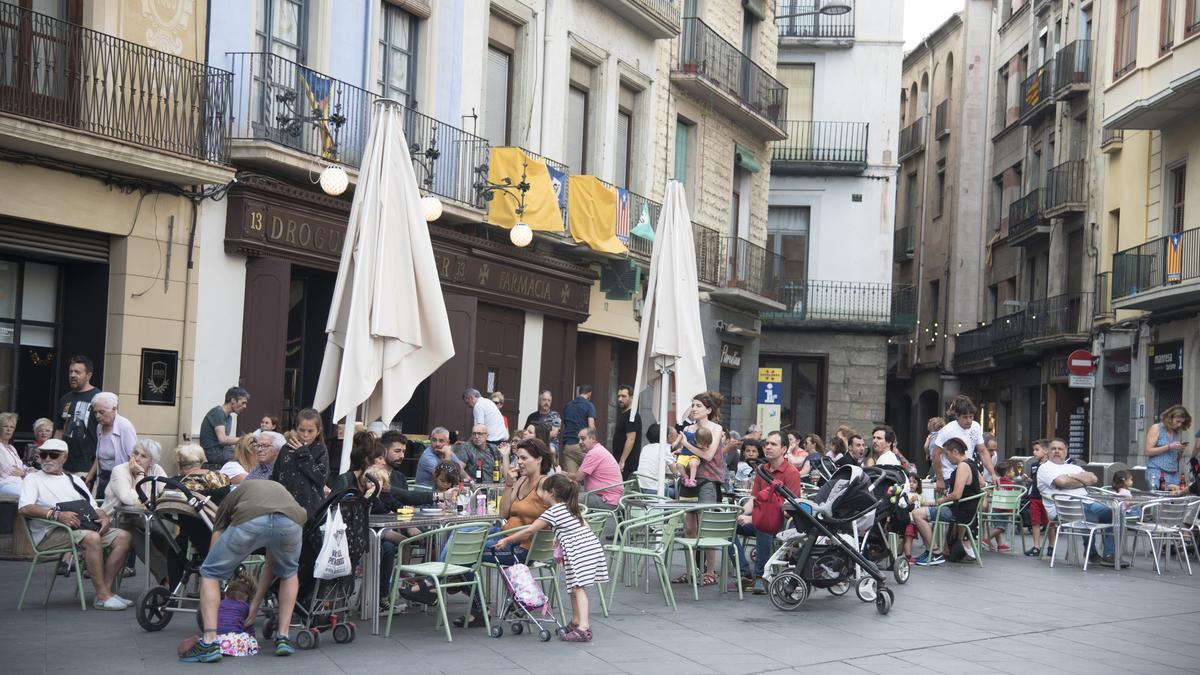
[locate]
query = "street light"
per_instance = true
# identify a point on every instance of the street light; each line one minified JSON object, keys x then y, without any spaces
{"x":830,"y":8}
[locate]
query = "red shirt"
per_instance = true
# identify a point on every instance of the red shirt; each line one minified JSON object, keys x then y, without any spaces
{"x":785,"y":473}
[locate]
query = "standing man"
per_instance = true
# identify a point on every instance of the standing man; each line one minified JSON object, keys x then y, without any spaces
{"x":75,"y":422}
{"x":485,"y":412}
{"x":578,"y":414}
{"x":627,"y":435}
{"x":216,"y":430}
{"x":963,"y":427}
{"x":544,"y":415}
{"x":258,"y":514}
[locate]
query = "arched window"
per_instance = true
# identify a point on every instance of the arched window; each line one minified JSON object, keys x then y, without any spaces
{"x":949,"y":76}
{"x":923,"y":106}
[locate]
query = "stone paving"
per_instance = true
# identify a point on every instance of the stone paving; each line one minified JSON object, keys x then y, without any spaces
{"x":1015,"y":615}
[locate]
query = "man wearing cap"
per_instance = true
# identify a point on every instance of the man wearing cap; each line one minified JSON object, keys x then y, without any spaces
{"x":41,"y":494}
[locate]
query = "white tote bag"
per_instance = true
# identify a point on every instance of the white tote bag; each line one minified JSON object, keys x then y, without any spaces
{"x":334,"y":559}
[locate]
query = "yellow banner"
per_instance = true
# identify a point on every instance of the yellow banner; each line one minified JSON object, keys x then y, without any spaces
{"x":770,"y":374}
{"x":592,"y":213}
{"x":541,"y":204}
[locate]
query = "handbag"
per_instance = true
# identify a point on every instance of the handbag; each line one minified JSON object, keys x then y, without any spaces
{"x":333,"y":561}
{"x":88,"y":518}
{"x":767,"y":515}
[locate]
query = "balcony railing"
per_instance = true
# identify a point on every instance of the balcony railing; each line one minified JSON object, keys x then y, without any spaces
{"x":1058,"y":316}
{"x":904,"y":244}
{"x":1111,"y":139}
{"x":1165,"y":261}
{"x":941,"y":118}
{"x":812,"y":25}
{"x":456,"y":154}
{"x":821,"y":147}
{"x":625,"y":224}
{"x":1009,"y":332}
{"x":1025,"y":214}
{"x":62,"y":73}
{"x":658,"y":18}
{"x":1037,"y":90}
{"x":974,"y":346}
{"x":297,"y":107}
{"x":1073,"y":67}
{"x":1066,"y":186}
{"x":733,"y":262}
{"x":846,"y":305}
{"x":1103,"y":296}
{"x":704,"y":53}
{"x":912,"y":138}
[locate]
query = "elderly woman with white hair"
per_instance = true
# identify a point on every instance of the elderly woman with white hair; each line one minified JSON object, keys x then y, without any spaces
{"x":43,"y":430}
{"x":115,"y":438}
{"x":12,"y":469}
{"x":267,"y":445}
{"x":143,"y":463}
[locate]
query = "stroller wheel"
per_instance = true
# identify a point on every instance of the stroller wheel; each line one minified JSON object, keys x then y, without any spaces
{"x":840,"y":588}
{"x":560,"y":631}
{"x":308,"y":638}
{"x":353,"y":632}
{"x":883,"y":603}
{"x":901,"y":570}
{"x":788,"y":591}
{"x":497,"y":631}
{"x":516,"y":628}
{"x":867,"y":589}
{"x":152,"y":614}
{"x":342,"y":633}
{"x":544,"y":635}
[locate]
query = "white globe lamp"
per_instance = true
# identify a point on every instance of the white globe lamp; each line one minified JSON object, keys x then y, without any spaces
{"x":334,"y":180}
{"x":521,"y":235}
{"x":431,"y":207}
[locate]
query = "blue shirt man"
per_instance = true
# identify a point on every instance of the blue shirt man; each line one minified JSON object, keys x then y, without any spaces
{"x":578,"y":414}
{"x":439,"y":450}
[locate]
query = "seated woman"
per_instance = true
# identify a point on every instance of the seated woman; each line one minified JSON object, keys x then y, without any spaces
{"x":950,"y":508}
{"x":212,"y":484}
{"x":12,"y":468}
{"x":122,"y":487}
{"x":244,"y":460}
{"x":364,"y":453}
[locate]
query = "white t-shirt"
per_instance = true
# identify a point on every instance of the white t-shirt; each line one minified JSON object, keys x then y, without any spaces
{"x":233,"y":469}
{"x":888,"y":458}
{"x":1046,"y":474}
{"x":654,"y":454}
{"x":47,"y":490}
{"x":972,"y":437}
{"x":486,"y":413}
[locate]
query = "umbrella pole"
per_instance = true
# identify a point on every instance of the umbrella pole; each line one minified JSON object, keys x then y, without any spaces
{"x":663,"y":408}
{"x":347,"y":440}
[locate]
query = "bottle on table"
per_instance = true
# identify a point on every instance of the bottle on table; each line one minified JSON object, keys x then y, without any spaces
{"x":496,"y":472}
{"x":479,"y":471}
{"x":462,"y":500}
{"x":481,"y":506}
{"x":1162,"y":483}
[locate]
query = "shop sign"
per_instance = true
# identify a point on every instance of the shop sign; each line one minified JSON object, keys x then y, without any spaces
{"x":1166,"y":360}
{"x":1118,"y":366}
{"x":261,"y":223}
{"x":159,"y":379}
{"x":508,"y":284}
{"x":731,"y":355}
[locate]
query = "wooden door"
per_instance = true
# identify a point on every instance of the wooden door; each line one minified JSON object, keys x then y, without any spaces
{"x":499,"y":339}
{"x":264,"y":335}
{"x":446,"y":385}
{"x":558,"y":359}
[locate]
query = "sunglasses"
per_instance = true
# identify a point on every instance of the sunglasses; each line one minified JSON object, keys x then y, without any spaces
{"x":50,"y":454}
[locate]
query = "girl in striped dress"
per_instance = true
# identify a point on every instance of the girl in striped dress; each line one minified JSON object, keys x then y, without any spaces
{"x":583,"y":558}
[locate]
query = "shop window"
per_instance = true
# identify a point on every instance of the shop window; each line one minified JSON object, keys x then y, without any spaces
{"x":787,"y":237}
{"x":802,"y":392}
{"x":29,"y":335}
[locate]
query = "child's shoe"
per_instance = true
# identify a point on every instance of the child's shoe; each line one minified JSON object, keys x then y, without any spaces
{"x":688,"y":481}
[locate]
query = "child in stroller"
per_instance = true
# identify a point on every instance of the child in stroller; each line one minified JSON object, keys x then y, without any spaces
{"x":822,"y":548}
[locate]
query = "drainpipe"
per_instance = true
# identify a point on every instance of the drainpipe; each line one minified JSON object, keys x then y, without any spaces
{"x":180,"y":431}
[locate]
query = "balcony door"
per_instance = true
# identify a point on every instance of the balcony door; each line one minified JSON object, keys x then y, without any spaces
{"x":282,"y":84}
{"x":40,"y":59}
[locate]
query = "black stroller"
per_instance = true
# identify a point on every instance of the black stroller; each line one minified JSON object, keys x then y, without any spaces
{"x":325,"y":605}
{"x":824,"y":552}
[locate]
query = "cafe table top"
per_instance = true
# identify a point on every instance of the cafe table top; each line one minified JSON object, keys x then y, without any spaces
{"x":418,"y":519}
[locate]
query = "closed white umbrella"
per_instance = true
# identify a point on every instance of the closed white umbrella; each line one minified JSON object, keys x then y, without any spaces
{"x":671,"y":341}
{"x":387,"y":328}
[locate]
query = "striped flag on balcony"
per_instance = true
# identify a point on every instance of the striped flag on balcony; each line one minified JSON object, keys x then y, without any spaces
{"x":317,"y":88}
{"x":1175,"y":258}
{"x":1033,"y":95}
{"x":623,"y":215}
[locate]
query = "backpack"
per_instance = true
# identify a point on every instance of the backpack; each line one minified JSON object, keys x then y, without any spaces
{"x":525,"y":589}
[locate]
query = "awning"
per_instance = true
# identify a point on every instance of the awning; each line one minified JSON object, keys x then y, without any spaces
{"x":744,"y":158}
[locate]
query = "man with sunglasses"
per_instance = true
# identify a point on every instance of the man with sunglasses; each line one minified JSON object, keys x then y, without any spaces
{"x":41,"y":494}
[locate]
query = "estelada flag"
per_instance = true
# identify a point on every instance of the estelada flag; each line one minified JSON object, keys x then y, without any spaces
{"x":1175,"y":258}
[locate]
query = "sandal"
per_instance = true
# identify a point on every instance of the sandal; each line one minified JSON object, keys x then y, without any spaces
{"x":708,"y":579}
{"x":682,"y":579}
{"x":468,"y":621}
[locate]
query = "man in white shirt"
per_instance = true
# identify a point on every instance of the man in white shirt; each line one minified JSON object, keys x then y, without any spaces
{"x":42,"y":492}
{"x":1058,"y":477}
{"x":653,"y":455}
{"x":966,"y":429}
{"x":485,"y":412}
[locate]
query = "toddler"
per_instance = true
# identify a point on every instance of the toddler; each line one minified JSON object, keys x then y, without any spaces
{"x":687,"y":463}
{"x":910,"y":530}
{"x":234,"y":636}
{"x":1006,"y":472}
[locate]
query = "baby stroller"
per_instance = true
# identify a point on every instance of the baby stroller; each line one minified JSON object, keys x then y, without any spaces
{"x":325,"y":605}
{"x":172,"y":506}
{"x":821,"y":549}
{"x":524,"y":598}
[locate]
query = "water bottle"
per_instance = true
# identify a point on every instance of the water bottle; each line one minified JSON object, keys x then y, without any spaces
{"x":481,"y":503}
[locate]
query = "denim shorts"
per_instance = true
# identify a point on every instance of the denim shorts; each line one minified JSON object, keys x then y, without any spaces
{"x":941,"y":513}
{"x":279,"y":534}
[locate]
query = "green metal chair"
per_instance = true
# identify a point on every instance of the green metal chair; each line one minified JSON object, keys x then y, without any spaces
{"x":655,"y":551}
{"x":53,"y":554}
{"x":464,"y":554}
{"x":939,"y":528}
{"x":596,"y":520}
{"x":1004,"y":508}
{"x":716,"y":530}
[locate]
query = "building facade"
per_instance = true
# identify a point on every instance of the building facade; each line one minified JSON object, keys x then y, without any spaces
{"x":831,"y":205}
{"x":1148,"y":276}
{"x":939,"y":239}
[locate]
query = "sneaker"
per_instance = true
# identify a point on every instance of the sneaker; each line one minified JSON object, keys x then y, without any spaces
{"x":760,"y":586}
{"x":969,"y":551}
{"x":928,"y":559}
{"x":112,"y":604}
{"x":126,"y":601}
{"x":1033,"y":552}
{"x":283,"y":646}
{"x":578,"y":635}
{"x":1003,"y":547}
{"x":202,"y":652}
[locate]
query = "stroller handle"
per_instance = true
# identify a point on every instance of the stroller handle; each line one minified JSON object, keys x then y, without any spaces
{"x":151,"y":501}
{"x":787,"y":494}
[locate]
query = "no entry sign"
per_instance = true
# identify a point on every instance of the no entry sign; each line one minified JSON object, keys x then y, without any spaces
{"x":1080,"y":362}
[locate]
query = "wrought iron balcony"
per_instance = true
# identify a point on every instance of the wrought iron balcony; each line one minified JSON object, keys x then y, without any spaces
{"x":904,"y":244}
{"x":1102,"y":307}
{"x":845,"y":306}
{"x":1037,"y":93}
{"x":713,"y":70}
{"x":657,"y":18}
{"x":912,"y":138}
{"x":973,"y":349}
{"x":1027,"y":220}
{"x":941,"y":118}
{"x":1059,"y":318}
{"x":636,"y":207}
{"x":1066,"y":188}
{"x":1163,"y":273}
{"x":820,"y":28}
{"x":1073,"y":69}
{"x":820,"y":148}
{"x":1112,"y":139}
{"x":60,"y":73}
{"x":743,"y":273}
{"x":1008,"y":332}
{"x":445,"y":158}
